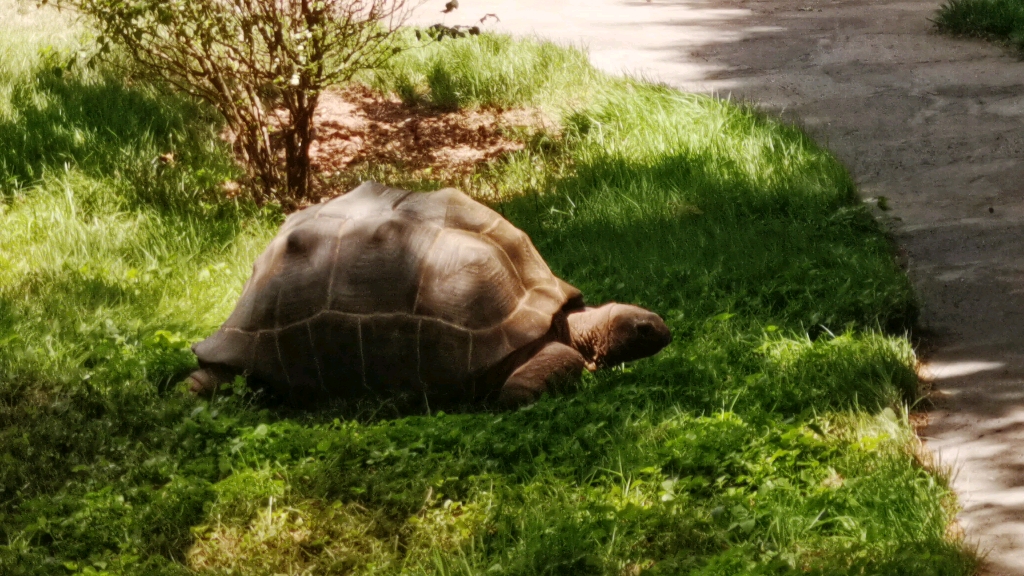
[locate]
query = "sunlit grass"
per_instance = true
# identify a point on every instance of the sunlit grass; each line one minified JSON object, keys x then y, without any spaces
{"x":769,"y":438}
{"x":488,"y":70}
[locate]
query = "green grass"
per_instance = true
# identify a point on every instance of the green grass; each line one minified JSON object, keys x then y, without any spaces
{"x":769,"y":438}
{"x":1001,"y":20}
{"x":488,"y":70}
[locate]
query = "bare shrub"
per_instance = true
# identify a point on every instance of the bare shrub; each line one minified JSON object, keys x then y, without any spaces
{"x":261,"y":63}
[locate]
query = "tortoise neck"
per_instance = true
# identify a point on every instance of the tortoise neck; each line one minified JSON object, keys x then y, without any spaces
{"x":587,"y":333}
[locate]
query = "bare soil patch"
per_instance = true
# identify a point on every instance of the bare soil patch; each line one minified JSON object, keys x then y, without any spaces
{"x":358,"y":130}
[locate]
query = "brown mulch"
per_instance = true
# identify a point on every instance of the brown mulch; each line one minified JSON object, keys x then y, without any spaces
{"x":357,"y":129}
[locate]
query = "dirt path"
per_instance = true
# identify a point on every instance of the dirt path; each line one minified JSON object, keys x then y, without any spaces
{"x":934,"y":124}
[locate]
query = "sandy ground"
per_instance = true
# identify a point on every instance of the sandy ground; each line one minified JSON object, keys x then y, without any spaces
{"x":934,"y":124}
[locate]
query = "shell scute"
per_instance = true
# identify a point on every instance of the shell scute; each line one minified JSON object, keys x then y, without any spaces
{"x":336,"y":341}
{"x":367,"y":200}
{"x":489,"y":347}
{"x":468,"y":281}
{"x":390,"y":347}
{"x":464,"y":213}
{"x":443,"y":358}
{"x":376,"y":267}
{"x":302,"y":279}
{"x":297,"y":219}
{"x":265,"y":363}
{"x":523,"y":323}
{"x":300,"y":362}
{"x":431,"y":208}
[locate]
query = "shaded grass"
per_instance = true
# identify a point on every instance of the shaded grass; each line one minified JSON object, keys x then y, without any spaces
{"x":57,"y":111}
{"x":1001,"y":20}
{"x":767,"y":439}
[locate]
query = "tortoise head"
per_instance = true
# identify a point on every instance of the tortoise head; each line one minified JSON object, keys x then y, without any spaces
{"x":617,"y":333}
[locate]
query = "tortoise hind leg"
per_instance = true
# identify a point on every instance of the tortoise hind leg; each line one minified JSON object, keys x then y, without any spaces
{"x":551,"y":367}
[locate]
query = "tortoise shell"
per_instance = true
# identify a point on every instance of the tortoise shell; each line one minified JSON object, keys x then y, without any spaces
{"x":387,"y":291}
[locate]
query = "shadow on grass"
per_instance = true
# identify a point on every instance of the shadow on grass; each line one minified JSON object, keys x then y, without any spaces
{"x":546,"y":464}
{"x":161,"y":145}
{"x":741,"y":274}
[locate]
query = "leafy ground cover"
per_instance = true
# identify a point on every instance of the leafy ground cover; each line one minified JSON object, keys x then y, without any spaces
{"x":1001,"y":20}
{"x":769,"y":438}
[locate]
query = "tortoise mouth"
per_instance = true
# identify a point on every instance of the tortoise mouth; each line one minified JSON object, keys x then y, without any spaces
{"x":203,"y":383}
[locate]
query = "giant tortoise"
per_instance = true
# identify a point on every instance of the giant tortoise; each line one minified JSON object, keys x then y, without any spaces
{"x":389,"y":292}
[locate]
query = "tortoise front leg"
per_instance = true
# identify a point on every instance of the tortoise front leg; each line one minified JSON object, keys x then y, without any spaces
{"x":554,"y":365}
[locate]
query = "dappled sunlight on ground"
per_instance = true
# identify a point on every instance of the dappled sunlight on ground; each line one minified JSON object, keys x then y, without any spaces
{"x":975,"y":430}
{"x":929,"y":123}
{"x":943,"y":370}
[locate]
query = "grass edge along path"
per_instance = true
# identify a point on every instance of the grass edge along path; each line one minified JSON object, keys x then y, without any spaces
{"x":997,"y":20}
{"x":770,"y":438}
